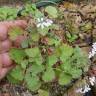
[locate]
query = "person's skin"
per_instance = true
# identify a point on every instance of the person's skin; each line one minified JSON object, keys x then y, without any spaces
{"x":6,"y":63}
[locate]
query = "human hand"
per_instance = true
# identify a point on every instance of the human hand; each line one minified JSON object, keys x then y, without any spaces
{"x":6,"y":64}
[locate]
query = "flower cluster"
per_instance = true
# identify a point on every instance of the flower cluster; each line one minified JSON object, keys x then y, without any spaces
{"x":83,"y":90}
{"x":43,"y":22}
{"x":93,"y":51}
{"x":92,"y":81}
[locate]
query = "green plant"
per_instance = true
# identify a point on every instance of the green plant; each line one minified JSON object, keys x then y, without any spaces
{"x":71,"y":37}
{"x":86,"y":27}
{"x":43,"y":57}
{"x":31,"y":10}
{"x":52,"y":11}
{"x":43,"y":52}
{"x":72,"y":30}
{"x":28,"y":9}
{"x":11,"y":13}
{"x":8,"y":13}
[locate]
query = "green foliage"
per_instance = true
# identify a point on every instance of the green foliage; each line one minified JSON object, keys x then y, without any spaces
{"x":48,"y":75}
{"x":80,"y":56}
{"x":14,"y":33}
{"x":8,"y":13}
{"x":28,"y":9}
{"x":25,"y":43}
{"x":52,"y":11}
{"x":71,"y":60}
{"x":66,"y":52}
{"x":75,"y":72}
{"x":34,"y":55}
{"x":86,"y":27}
{"x":44,"y":57}
{"x":43,"y":92}
{"x":43,"y":31}
{"x":24,"y":64}
{"x":32,"y":52}
{"x":31,"y":10}
{"x":71,"y":27}
{"x":16,"y":75}
{"x":36,"y":69}
{"x":71,"y":37}
{"x":35,"y":37}
{"x":17,"y":55}
{"x":51,"y":60}
{"x":12,"y":79}
{"x":64,"y":79}
{"x":53,"y":41}
{"x":32,"y":82}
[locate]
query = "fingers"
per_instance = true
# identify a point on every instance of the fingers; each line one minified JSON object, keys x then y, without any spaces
{"x":0,"y":63}
{"x":5,"y":46}
{"x":3,"y":32}
{"x":20,"y":23}
{"x":4,"y":71}
{"x":5,"y":60}
{"x":4,"y":26}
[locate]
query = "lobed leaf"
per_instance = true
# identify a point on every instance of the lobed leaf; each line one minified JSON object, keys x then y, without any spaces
{"x":48,"y":75}
{"x":14,"y":32}
{"x":17,"y":55}
{"x":52,"y":11}
{"x":64,"y":79}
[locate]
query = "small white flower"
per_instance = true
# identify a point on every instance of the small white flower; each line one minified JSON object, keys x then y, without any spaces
{"x":86,"y":89}
{"x":92,"y":80}
{"x":49,"y":21}
{"x":79,"y":90}
{"x":93,"y":51}
{"x":83,"y":90}
{"x":42,"y":22}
